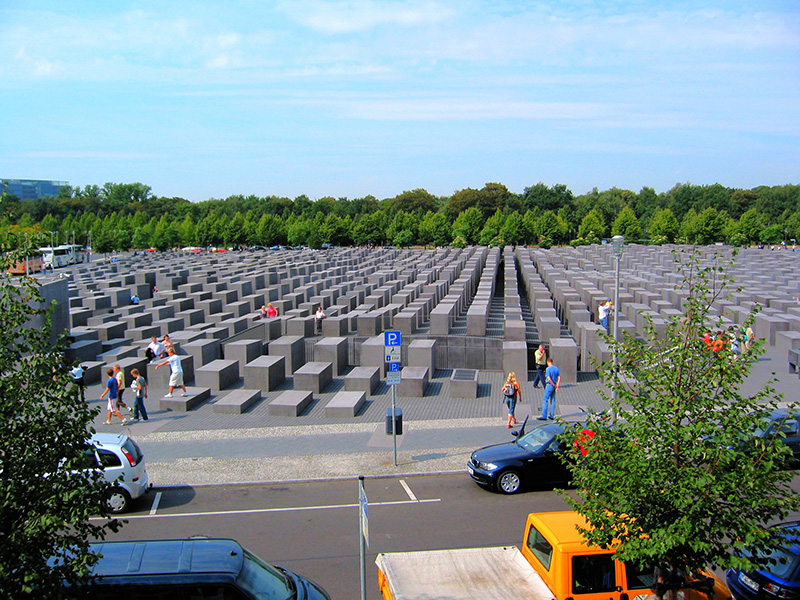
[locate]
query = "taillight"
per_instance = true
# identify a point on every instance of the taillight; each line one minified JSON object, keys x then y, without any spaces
{"x":779,"y":591}
{"x":129,"y":457}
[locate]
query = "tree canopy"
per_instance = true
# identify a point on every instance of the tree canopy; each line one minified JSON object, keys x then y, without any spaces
{"x":121,"y":216}
{"x":676,"y":472}
{"x":47,"y":495}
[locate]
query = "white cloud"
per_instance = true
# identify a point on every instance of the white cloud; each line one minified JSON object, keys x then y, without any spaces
{"x":350,"y":16}
{"x":454,"y":109}
{"x":89,"y":154}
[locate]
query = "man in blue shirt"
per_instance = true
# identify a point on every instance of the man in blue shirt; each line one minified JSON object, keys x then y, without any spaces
{"x":552,"y":378}
{"x":112,"y":387}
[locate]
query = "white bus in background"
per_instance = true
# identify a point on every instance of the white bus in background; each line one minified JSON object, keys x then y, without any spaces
{"x":62,"y":256}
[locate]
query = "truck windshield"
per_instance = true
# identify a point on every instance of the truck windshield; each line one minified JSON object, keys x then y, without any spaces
{"x":263,"y":581}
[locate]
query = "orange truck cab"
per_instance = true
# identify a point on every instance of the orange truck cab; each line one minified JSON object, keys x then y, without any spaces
{"x":574,"y":570}
{"x":555,"y":564}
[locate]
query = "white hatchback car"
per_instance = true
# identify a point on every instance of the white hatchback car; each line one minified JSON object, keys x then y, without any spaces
{"x":122,"y":464}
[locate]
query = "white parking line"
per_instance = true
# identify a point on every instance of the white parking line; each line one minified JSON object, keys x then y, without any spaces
{"x":156,"y":500}
{"x":408,"y":490}
{"x":254,"y":511}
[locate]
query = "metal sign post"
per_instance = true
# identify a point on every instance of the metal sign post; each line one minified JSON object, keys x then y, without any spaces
{"x":363,"y":534}
{"x":394,"y":428}
{"x":392,"y":342}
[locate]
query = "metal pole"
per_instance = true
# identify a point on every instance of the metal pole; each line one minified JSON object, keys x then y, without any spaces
{"x":394,"y":427}
{"x":362,"y":545}
{"x":616,"y":313}
{"x":618,"y":253}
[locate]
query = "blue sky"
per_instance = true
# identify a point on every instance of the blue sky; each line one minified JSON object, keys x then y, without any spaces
{"x":350,"y":98}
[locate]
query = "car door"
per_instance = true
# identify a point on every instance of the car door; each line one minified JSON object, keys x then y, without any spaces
{"x":594,"y":577}
{"x":637,"y":581}
{"x":111,"y":465}
{"x":548,"y":465}
{"x":790,"y":429}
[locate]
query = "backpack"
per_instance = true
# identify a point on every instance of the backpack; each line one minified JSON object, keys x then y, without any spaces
{"x":508,"y":390}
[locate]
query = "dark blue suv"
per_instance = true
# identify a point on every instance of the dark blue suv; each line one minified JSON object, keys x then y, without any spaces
{"x":194,"y":568}
{"x":778,"y":581}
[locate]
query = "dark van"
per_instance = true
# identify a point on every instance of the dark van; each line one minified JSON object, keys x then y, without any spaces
{"x":192,"y":569}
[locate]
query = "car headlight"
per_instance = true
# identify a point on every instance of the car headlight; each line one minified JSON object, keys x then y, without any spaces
{"x":487,"y":466}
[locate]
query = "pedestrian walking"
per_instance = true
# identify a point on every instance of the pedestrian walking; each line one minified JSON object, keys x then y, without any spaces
{"x":602,"y":313}
{"x":77,"y":373}
{"x":541,"y":364}
{"x":112,"y":387}
{"x":553,"y":382}
{"x":318,"y":316}
{"x":271,"y":311}
{"x":120,"y":388}
{"x":512,"y":393}
{"x":176,"y":373}
{"x":139,"y":387}
{"x":749,"y":339}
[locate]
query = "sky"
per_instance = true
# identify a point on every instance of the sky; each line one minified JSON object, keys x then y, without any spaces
{"x":349,"y":98}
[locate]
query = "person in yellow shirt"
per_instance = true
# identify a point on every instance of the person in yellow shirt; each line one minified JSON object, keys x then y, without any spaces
{"x":541,"y":364}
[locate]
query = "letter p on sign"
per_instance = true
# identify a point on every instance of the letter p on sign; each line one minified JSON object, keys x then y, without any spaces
{"x":391,"y":338}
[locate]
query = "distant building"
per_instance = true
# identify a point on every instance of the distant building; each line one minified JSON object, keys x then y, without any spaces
{"x":32,"y":189}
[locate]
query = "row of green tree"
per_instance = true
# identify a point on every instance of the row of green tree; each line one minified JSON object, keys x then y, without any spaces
{"x":125,"y":216}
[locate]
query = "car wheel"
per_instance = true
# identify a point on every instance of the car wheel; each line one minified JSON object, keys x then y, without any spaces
{"x":509,"y":482}
{"x":117,"y":500}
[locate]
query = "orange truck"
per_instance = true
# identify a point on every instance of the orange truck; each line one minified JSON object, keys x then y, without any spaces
{"x":555,"y":564}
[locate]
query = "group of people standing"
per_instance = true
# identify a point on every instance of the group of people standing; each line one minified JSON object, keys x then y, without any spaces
{"x":115,"y":385}
{"x":115,"y":388}
{"x":156,"y":349}
{"x":268,"y":311}
{"x":547,"y":374}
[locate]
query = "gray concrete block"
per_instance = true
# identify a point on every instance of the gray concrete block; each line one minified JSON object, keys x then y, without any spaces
{"x":564,"y":352}
{"x":464,"y":383}
{"x":422,"y":353}
{"x":333,"y":350}
{"x":314,"y":376}
{"x":345,"y":404}
{"x":293,"y":350}
{"x":515,"y":358}
{"x":244,"y":351}
{"x":180,"y":403}
{"x":413,"y":382}
{"x":237,"y":401}
{"x":203,"y":350}
{"x":218,"y":374}
{"x":265,"y":373}
{"x":514,"y":330}
{"x":366,"y":379}
{"x":291,"y":403}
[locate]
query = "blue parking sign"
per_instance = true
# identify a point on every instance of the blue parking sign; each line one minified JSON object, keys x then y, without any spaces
{"x":392,"y":338}
{"x":394,"y":366}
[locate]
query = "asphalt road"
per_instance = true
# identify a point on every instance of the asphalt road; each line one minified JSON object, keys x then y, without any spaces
{"x":313,"y":529}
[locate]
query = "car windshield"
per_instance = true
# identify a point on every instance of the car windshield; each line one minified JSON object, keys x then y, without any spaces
{"x":537,"y":439}
{"x":264,"y":581}
{"x":784,"y":563}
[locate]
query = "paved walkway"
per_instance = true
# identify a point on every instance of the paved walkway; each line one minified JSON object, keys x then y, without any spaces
{"x":203,"y":447}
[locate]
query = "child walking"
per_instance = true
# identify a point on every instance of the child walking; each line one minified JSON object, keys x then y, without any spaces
{"x":112,"y":387}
